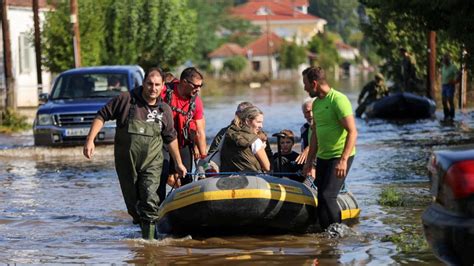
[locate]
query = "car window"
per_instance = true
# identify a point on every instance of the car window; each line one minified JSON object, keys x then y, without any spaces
{"x":137,"y":79}
{"x":89,"y":86}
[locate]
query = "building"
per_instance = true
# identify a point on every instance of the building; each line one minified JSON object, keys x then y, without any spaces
{"x":20,"y":16}
{"x":289,"y":19}
{"x":222,"y":53}
{"x":346,"y":52}
{"x":261,"y":54}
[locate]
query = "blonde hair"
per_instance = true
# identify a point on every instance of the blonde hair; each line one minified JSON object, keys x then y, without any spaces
{"x":249,"y":113}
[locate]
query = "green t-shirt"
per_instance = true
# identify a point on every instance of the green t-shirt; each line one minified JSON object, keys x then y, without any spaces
{"x":448,"y":73}
{"x":327,"y":113}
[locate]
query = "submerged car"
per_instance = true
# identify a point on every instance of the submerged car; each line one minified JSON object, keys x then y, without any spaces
{"x":449,"y":222}
{"x":76,"y":96}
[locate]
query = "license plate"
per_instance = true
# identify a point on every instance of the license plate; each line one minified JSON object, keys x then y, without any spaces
{"x":74,"y":132}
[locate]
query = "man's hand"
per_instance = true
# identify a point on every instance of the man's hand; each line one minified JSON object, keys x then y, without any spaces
{"x":174,"y":181}
{"x":341,"y":168}
{"x":301,"y":159}
{"x":88,"y":149}
{"x":181,"y":170}
{"x":309,"y":170}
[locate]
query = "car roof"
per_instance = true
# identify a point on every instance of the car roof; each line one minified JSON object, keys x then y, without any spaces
{"x":105,"y":69}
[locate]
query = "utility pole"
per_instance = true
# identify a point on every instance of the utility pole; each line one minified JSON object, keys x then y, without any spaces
{"x":269,"y":45}
{"x":37,"y":46}
{"x":76,"y":38}
{"x":10,"y":81}
{"x":431,"y":82}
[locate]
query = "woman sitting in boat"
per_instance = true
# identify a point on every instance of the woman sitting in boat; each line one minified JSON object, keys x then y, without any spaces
{"x":243,"y":150}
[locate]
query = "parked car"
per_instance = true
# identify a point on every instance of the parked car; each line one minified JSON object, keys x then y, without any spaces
{"x":449,"y":222}
{"x":76,"y":96}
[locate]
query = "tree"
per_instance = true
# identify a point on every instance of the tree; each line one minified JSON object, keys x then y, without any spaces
{"x":340,"y":15}
{"x":392,"y":24}
{"x":235,"y":65}
{"x":323,"y":45}
{"x":148,"y":33}
{"x":57,"y":37}
{"x":292,"y":56}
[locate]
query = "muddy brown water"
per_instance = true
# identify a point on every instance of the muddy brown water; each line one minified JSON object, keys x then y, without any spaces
{"x":57,"y":207}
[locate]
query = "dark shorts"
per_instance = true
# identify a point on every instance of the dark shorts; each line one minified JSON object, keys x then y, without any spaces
{"x":448,"y":91}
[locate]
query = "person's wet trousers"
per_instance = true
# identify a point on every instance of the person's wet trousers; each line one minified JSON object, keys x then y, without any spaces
{"x":329,"y":187}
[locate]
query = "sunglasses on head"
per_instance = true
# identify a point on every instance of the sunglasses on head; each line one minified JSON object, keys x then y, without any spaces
{"x":194,"y":85}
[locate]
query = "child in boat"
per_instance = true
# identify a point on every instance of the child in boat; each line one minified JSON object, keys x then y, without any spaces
{"x":288,"y":156}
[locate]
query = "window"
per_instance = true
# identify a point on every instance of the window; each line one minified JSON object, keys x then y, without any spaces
{"x":256,"y":66}
{"x":26,"y":53}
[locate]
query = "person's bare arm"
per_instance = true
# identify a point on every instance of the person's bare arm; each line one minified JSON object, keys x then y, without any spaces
{"x":89,"y":146}
{"x":313,"y":148}
{"x":201,"y":136}
{"x":348,"y":123}
{"x":263,"y":159}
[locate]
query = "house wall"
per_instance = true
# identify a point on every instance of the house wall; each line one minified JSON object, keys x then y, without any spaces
{"x":265,"y":65}
{"x":23,"y":57}
{"x":217,"y":64}
{"x":301,"y":31}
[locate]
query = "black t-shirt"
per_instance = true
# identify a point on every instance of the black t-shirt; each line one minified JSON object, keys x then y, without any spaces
{"x":288,"y":164}
{"x":118,"y":108}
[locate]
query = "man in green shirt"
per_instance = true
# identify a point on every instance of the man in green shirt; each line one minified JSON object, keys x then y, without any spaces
{"x":332,"y":144}
{"x":449,"y":77}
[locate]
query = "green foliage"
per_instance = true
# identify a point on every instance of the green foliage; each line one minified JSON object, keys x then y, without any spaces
{"x":390,"y":196}
{"x":13,"y":122}
{"x":149,"y":33}
{"x":392,"y":24}
{"x":323,"y":45}
{"x":292,"y":55}
{"x":340,"y":15}
{"x":235,"y":64}
{"x":56,"y":38}
{"x":409,"y":240}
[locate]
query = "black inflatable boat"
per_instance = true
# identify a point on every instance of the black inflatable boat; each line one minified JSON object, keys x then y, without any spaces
{"x":246,"y":203}
{"x":402,"y":105}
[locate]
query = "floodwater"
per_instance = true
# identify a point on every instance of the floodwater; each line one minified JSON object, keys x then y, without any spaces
{"x":57,"y":207}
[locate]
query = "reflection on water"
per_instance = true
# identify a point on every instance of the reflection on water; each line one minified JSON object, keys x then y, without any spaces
{"x":57,"y":207}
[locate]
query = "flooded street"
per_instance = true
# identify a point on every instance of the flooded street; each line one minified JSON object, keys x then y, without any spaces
{"x":57,"y":207}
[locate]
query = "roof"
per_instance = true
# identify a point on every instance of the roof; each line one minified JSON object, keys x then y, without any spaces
{"x":287,"y":2}
{"x":343,"y":46}
{"x":263,"y":10}
{"x":28,"y":3}
{"x":227,"y":50}
{"x":260,"y":46}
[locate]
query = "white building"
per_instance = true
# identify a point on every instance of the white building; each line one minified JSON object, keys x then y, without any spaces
{"x":20,"y":16}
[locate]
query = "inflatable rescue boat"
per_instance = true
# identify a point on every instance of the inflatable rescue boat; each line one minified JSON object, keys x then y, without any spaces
{"x":246,"y":204}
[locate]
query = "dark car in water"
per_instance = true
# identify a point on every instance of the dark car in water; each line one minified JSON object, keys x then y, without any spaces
{"x":76,"y":96}
{"x":449,"y":222}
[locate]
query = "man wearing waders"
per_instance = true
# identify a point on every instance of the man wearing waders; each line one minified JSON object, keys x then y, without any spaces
{"x":144,"y":122}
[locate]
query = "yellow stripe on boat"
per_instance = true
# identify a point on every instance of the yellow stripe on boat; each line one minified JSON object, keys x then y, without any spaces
{"x":350,"y":213}
{"x":280,"y":195}
{"x":188,"y":192}
{"x":290,"y":189}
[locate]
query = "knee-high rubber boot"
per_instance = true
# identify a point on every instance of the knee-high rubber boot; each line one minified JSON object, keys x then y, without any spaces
{"x":148,"y":230}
